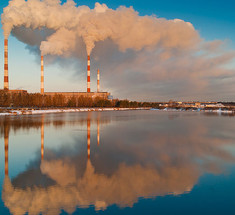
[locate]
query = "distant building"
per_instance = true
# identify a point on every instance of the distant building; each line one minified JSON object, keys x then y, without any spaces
{"x":68,"y":95}
{"x":17,"y":91}
{"x":14,"y":91}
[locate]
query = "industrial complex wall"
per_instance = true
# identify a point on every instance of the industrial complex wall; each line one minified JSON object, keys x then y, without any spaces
{"x":103,"y":95}
{"x":16,"y":91}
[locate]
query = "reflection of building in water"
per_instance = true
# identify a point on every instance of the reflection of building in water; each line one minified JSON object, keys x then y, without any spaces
{"x":58,"y":122}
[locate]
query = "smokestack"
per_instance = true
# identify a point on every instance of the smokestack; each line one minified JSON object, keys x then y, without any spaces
{"x":6,"y":140}
{"x":88,"y":75}
{"x":42,"y":76}
{"x":98,"y":80}
{"x":88,"y":137}
{"x":6,"y":81}
{"x":42,"y":138}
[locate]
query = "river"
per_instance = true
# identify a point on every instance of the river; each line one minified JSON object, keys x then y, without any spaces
{"x":117,"y":162}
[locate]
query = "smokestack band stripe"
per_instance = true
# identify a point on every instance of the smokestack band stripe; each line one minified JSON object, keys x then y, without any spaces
{"x":42,"y":75}
{"x":98,"y":80}
{"x":6,"y":80}
{"x":88,"y":75}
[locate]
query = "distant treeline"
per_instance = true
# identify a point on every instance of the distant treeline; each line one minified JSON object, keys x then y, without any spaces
{"x":228,"y":103}
{"x":38,"y":100}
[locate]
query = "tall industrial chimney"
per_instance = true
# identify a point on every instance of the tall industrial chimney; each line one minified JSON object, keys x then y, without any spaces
{"x":98,"y":80}
{"x":42,"y":75}
{"x":88,"y":137}
{"x":6,"y":80}
{"x":88,"y":75}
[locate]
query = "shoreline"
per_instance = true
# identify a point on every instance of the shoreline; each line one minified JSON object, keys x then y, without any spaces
{"x":26,"y":111}
{"x":208,"y":111}
{"x":29,"y":111}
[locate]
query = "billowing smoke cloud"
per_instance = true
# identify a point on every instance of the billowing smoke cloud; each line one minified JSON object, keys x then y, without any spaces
{"x":123,"y":26}
{"x":165,"y":58}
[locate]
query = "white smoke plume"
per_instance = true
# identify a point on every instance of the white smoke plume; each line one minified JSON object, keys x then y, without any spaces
{"x":165,"y":58}
{"x":123,"y":26}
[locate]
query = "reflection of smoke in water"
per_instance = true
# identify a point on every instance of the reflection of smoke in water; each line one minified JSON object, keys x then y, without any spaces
{"x":164,"y":167}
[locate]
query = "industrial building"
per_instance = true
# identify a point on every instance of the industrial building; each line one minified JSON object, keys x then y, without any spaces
{"x":67,"y":95}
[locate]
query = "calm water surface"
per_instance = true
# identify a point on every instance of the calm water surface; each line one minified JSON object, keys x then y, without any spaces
{"x":126,"y":162}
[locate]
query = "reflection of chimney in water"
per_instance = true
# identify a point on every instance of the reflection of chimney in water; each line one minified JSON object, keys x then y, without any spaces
{"x":6,"y":140}
{"x":88,"y":136}
{"x":98,"y":131}
{"x":42,"y":138}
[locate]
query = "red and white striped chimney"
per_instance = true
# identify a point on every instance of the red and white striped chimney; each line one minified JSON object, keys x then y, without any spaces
{"x":88,"y":138}
{"x":42,"y":75}
{"x":98,"y":80}
{"x":6,"y":80}
{"x":88,"y":74}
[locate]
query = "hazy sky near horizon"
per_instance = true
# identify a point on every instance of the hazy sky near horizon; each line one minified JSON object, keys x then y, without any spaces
{"x":158,"y":73}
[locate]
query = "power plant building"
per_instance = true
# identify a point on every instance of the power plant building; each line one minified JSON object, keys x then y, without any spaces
{"x":67,"y":95}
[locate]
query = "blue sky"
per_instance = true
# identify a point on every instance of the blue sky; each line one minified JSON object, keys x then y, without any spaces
{"x":214,"y":20}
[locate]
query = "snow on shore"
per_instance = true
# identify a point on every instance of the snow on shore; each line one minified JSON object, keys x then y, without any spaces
{"x":61,"y":110}
{"x":25,"y":111}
